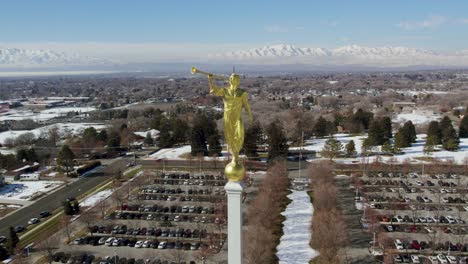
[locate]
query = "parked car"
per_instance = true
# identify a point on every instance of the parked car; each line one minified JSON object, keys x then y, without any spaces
{"x":19,"y":229}
{"x":139,"y":244}
{"x":33,"y":221}
{"x":415,"y":259}
{"x":442,"y":259}
{"x":399,"y":244}
{"x":44,"y":214}
{"x":109,"y":241}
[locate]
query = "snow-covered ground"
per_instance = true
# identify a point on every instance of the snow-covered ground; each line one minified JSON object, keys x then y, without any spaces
{"x":425,"y":92}
{"x":411,"y":153}
{"x":177,"y":152}
{"x":22,"y":114}
{"x":25,"y":190}
{"x":153,"y":132}
{"x":317,"y":144}
{"x":294,"y":245}
{"x":417,"y":119}
{"x":96,"y":198}
{"x":63,"y":128}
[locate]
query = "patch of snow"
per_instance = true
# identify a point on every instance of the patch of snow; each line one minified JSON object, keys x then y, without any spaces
{"x":417,"y":119}
{"x":43,"y":115}
{"x":294,"y":245}
{"x":19,"y":190}
{"x":63,"y":128}
{"x":96,"y":198}
{"x":153,"y":132}
{"x":317,"y":144}
{"x":177,"y":152}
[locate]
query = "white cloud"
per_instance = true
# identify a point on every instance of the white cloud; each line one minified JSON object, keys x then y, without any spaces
{"x":463,"y":21}
{"x":430,"y":22}
{"x":276,"y":29}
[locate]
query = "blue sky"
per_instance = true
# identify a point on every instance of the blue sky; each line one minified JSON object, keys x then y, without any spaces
{"x":430,"y":24}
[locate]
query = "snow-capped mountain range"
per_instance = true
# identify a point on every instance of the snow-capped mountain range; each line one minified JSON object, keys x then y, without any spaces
{"x":273,"y":55}
{"x":356,"y":55}
{"x":28,"y":58}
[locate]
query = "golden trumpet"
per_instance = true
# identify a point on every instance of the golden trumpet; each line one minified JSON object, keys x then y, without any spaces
{"x":195,"y":70}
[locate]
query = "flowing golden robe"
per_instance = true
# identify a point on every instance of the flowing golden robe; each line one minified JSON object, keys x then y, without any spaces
{"x":234,"y":101}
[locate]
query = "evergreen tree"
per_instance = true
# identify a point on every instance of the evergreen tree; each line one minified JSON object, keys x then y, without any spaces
{"x":450,"y":139}
{"x":12,"y":241}
{"x":433,"y":132}
{"x":90,"y":134}
{"x":463,"y":130}
{"x":68,"y":208}
{"x":65,"y":158}
{"x":429,"y":146}
{"x":252,"y":137}
{"x":27,"y":155}
{"x":113,"y":142}
{"x":102,"y":136}
{"x":364,"y":118}
{"x":165,"y":138}
{"x":387,"y":147}
{"x":198,"y":141}
{"x":332,"y":148}
{"x":277,"y":142}
{"x":203,"y":128}
{"x":386,"y":125}
{"x":214,"y":147}
{"x":350,"y":148}
{"x":445,"y":123}
{"x":410,"y":132}
{"x":375,"y":134}
{"x":321,"y":127}
{"x":179,"y":130}
{"x":401,"y":140}
{"x":148,"y":139}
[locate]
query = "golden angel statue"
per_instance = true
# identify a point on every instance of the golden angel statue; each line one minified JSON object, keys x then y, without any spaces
{"x":235,"y":100}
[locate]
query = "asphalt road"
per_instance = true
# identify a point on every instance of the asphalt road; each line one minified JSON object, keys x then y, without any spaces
{"x":55,"y":199}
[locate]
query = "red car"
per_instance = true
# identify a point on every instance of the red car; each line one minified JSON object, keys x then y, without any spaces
{"x":415,"y":245}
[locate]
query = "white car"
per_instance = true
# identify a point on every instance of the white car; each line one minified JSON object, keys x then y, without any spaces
{"x":109,"y":241}
{"x":116,"y":242}
{"x":465,"y":207}
{"x":415,"y":259}
{"x":399,"y":218}
{"x":451,"y":220}
{"x":426,"y":200}
{"x":433,"y":260}
{"x":452,"y":259}
{"x":139,"y":244}
{"x":162,"y":245}
{"x":399,"y":244}
{"x":442,"y":259}
{"x":146,"y":244}
{"x":33,"y":221}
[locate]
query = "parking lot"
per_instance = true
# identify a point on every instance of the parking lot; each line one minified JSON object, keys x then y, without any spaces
{"x":418,"y":218}
{"x":175,"y":217}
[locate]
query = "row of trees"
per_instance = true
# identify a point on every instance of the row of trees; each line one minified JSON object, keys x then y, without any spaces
{"x":205,"y":139}
{"x":264,"y":217}
{"x":328,"y":227}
